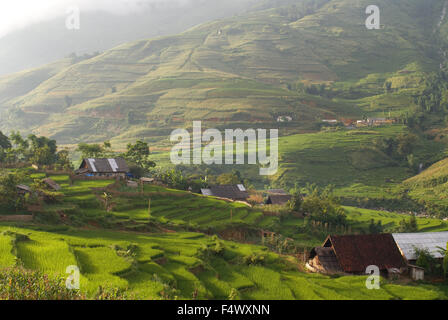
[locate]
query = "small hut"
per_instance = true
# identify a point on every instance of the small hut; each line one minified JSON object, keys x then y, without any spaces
{"x":278,"y":199}
{"x":52,"y":184}
{"x":147,"y":180}
{"x":23,"y":189}
{"x":416,"y":273}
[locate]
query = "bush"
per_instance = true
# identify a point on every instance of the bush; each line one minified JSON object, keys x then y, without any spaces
{"x":427,"y":261}
{"x":254,"y":259}
{"x":21,"y":284}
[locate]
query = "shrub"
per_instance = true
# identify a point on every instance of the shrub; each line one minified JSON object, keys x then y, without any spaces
{"x":254,"y":259}
{"x":21,"y":284}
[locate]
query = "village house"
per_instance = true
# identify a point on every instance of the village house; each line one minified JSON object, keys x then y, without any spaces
{"x":408,"y":243}
{"x":232,"y":192}
{"x":330,"y":121}
{"x":103,"y":168}
{"x":431,"y":241}
{"x":354,"y":253}
{"x":379,"y":121}
{"x":277,"y":197}
{"x":145,"y":180}
{"x":284,"y":119}
{"x":23,"y":189}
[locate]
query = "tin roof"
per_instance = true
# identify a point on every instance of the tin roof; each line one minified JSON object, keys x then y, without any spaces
{"x":23,"y":187}
{"x":117,"y":165}
{"x":433,"y":241}
{"x":235,"y":192}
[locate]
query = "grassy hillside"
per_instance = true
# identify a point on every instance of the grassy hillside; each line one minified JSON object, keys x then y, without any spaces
{"x":169,"y":255}
{"x":241,"y":70}
{"x":186,"y":266}
{"x":431,"y":184}
{"x":174,"y":210}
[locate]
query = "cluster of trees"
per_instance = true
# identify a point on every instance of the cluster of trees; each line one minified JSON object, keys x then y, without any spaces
{"x":319,"y":204}
{"x":32,"y":149}
{"x":400,"y":148}
{"x":316,"y":89}
{"x":408,"y":226}
{"x":432,"y":100}
{"x":434,"y":97}
{"x":12,"y":199}
{"x":375,"y":227}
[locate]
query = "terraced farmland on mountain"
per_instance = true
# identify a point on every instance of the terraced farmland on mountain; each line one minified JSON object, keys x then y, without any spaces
{"x":187,"y":265}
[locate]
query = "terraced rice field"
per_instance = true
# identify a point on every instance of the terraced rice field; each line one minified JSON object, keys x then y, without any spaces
{"x":167,"y":266}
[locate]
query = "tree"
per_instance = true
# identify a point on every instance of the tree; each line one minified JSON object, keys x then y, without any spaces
{"x":388,"y":86}
{"x":4,"y":141}
{"x":228,"y":178}
{"x":295,"y":204}
{"x":90,"y":150}
{"x":139,"y":154}
{"x":405,"y":144}
{"x":408,"y":226}
{"x":63,"y":159}
{"x":9,"y":196}
{"x":41,"y":150}
{"x":43,"y":156}
{"x":445,"y":262}
{"x":321,"y":205}
{"x":427,"y":261}
{"x":375,"y":228}
{"x":21,"y":146}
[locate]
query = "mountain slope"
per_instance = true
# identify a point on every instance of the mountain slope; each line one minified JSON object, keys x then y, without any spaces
{"x":106,"y":27}
{"x":234,"y":71}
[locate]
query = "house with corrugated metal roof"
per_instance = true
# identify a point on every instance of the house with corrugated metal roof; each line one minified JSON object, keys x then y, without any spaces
{"x":23,"y":189}
{"x":232,"y":192}
{"x":352,"y":254}
{"x":408,"y":243}
{"x":431,"y":241}
{"x":116,"y":167}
